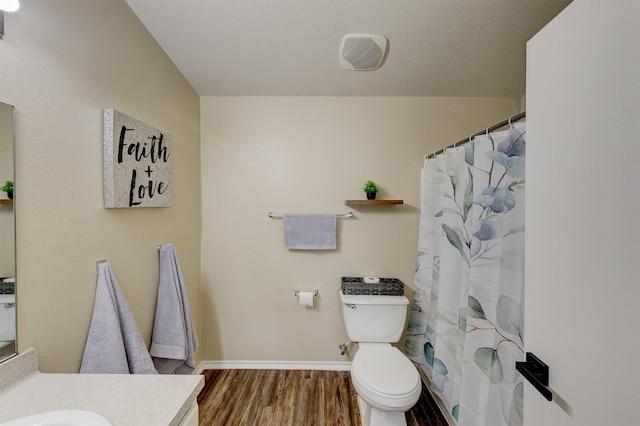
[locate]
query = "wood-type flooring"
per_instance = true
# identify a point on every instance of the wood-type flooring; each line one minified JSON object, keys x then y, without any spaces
{"x":292,"y":398}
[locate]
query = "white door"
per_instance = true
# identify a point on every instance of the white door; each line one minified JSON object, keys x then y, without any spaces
{"x":582,"y":309}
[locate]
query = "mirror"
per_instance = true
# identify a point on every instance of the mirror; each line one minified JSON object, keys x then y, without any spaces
{"x":8,"y":327}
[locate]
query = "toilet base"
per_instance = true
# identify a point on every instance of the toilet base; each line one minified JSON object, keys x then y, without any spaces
{"x":370,"y":416}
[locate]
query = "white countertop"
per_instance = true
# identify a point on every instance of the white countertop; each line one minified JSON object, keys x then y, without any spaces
{"x":123,"y":399}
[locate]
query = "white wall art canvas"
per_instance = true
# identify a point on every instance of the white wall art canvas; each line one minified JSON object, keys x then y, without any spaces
{"x":137,"y":163}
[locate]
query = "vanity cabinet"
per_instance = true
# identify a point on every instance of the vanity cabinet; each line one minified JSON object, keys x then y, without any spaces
{"x":191,"y":418}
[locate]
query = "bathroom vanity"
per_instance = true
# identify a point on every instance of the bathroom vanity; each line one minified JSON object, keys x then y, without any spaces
{"x":123,"y":399}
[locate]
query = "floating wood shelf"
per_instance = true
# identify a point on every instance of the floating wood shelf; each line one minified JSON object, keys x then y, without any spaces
{"x":6,"y":201}
{"x":372,"y":202}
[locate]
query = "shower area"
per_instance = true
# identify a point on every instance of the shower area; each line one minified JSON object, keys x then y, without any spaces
{"x":466,"y":323}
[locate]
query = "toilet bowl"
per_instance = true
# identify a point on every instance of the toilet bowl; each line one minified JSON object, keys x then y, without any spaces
{"x":387,"y":382}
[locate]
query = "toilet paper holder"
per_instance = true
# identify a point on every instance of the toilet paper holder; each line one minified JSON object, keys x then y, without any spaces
{"x":297,"y":292}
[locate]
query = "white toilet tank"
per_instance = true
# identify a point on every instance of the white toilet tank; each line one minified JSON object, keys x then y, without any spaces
{"x":374,"y":318}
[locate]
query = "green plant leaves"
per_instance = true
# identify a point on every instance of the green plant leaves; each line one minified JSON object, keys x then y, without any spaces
{"x":453,"y":173}
{"x":412,"y":347}
{"x":476,"y":308}
{"x":429,"y":353}
{"x":370,"y":186}
{"x":489,"y":362}
{"x":437,"y":365}
{"x":468,"y":198}
{"x":455,"y":411}
{"x":509,"y":315}
{"x":517,"y":404}
{"x":454,"y":239}
{"x":417,"y":323}
{"x":469,"y":153}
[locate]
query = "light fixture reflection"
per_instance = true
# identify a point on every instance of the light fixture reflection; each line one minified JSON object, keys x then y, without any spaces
{"x":9,"y":5}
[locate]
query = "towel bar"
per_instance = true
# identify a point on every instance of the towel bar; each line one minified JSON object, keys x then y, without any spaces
{"x":341,"y":215}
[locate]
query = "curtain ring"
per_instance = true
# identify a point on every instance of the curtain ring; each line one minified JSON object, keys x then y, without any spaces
{"x":510,"y":124}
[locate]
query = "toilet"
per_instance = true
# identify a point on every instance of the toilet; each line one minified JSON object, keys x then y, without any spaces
{"x":387,"y":383}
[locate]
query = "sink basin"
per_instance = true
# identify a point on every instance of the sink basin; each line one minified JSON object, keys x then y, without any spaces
{"x":61,"y":418}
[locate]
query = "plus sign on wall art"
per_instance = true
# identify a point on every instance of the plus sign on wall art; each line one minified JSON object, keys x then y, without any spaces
{"x":137,"y":163}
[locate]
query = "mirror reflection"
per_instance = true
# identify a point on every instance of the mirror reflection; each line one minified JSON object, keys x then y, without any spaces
{"x":7,"y":235}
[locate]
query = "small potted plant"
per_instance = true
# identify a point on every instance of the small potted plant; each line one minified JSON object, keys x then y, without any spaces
{"x":8,"y":188}
{"x":371,"y":188}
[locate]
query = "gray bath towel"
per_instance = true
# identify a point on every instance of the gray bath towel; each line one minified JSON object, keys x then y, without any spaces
{"x":114,"y":344}
{"x":309,"y":231}
{"x":174,"y":341}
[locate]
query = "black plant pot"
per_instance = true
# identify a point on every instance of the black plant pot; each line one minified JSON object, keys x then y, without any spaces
{"x":371,"y":195}
{"x":10,"y":195}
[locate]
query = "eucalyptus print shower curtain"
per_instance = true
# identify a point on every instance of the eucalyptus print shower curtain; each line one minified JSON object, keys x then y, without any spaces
{"x":466,"y":321}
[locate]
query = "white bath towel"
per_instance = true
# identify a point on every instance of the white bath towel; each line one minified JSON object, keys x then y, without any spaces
{"x":114,"y":344}
{"x":174,"y":339}
{"x":309,"y":231}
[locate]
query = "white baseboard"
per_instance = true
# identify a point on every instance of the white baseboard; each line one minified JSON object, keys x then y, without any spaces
{"x":272,"y":365}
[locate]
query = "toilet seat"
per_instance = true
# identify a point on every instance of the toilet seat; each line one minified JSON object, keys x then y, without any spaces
{"x":385,"y":378}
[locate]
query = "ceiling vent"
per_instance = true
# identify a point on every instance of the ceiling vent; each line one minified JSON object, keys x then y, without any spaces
{"x":362,"y":52}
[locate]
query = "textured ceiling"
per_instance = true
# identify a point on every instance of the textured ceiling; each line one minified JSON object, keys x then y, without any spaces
{"x":291,"y":47}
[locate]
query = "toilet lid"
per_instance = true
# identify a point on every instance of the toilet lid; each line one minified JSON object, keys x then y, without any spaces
{"x":385,"y":370}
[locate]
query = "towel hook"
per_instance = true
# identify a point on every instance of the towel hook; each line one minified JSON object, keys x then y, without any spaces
{"x":100,"y":262}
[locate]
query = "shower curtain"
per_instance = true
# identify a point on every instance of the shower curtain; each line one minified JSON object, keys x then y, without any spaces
{"x":466,"y":321}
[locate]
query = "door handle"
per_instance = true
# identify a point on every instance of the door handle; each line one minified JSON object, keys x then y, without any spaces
{"x":537,"y":373}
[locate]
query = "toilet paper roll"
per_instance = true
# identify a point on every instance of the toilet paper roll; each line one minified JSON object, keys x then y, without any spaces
{"x":371,"y":280}
{"x":305,"y":298}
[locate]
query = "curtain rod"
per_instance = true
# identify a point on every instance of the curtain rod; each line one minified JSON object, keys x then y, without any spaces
{"x":512,"y":119}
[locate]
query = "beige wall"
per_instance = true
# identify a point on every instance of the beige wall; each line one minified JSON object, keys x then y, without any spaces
{"x":307,"y":155}
{"x":61,"y":64}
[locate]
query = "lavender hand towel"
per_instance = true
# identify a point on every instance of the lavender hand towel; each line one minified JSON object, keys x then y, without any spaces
{"x":114,"y":344}
{"x":174,"y":340}
{"x":309,"y":232}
